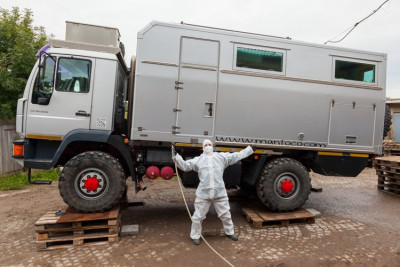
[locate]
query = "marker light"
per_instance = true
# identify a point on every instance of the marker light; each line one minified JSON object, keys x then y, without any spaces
{"x":18,"y":150}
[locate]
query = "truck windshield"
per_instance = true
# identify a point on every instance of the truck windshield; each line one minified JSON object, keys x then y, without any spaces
{"x":44,"y":82}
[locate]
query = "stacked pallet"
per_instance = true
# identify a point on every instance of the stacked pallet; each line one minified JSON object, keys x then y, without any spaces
{"x":77,"y":229}
{"x":391,"y":149}
{"x":388,"y":171}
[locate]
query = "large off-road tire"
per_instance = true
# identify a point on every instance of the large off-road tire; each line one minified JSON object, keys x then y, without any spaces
{"x":284,"y":184}
{"x":92,"y":182}
{"x":387,"y":121}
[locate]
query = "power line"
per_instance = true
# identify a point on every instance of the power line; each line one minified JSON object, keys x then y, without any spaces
{"x":355,"y":25}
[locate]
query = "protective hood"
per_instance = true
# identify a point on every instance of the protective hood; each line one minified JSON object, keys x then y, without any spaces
{"x":208,"y":147}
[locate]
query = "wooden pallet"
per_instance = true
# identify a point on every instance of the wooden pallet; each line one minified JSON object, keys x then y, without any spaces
{"x":391,"y":149}
{"x":392,"y":162}
{"x":260,"y":218}
{"x":389,"y":182}
{"x":388,"y":171}
{"x":77,"y":229}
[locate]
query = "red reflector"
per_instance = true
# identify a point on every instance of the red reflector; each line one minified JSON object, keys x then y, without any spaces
{"x":18,"y":150}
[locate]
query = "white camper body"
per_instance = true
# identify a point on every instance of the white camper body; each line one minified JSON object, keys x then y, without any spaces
{"x":189,"y":86}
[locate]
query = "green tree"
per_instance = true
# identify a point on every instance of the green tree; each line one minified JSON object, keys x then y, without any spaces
{"x":19,"y":43}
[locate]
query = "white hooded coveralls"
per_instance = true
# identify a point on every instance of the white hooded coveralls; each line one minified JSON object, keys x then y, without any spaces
{"x":211,"y":189}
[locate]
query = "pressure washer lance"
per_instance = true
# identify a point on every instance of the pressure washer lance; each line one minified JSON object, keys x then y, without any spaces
{"x":187,"y":208}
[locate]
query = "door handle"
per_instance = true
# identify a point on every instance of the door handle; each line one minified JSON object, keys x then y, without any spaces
{"x":82,"y":113}
{"x":208,"y":112}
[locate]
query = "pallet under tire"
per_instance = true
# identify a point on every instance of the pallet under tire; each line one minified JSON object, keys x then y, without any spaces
{"x":77,"y":229}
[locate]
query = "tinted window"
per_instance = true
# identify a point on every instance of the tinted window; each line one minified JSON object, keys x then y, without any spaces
{"x":355,"y":71}
{"x":73,"y":75}
{"x":259,"y":59}
{"x":44,"y":82}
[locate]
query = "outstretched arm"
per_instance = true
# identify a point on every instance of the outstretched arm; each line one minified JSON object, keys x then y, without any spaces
{"x":232,"y":158}
{"x":187,"y":165}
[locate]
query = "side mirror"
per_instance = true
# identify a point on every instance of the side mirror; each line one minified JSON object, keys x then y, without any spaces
{"x":43,"y":100}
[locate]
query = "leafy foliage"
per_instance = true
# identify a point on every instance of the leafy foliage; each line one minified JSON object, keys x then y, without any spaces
{"x":19,"y":42}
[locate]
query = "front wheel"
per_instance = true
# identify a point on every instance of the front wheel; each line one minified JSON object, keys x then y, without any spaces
{"x":283,"y":185}
{"x":92,"y":182}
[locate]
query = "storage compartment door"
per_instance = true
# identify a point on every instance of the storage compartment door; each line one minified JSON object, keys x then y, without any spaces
{"x":197,"y":87}
{"x":352,"y":125}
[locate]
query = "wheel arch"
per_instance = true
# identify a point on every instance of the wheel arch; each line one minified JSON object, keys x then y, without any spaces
{"x":105,"y":141}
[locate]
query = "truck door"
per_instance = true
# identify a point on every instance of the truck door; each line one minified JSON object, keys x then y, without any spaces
{"x":60,"y":98}
{"x":197,"y":87}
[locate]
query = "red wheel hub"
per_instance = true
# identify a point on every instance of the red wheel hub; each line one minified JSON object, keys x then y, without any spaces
{"x":287,"y":186}
{"x":91,"y":183}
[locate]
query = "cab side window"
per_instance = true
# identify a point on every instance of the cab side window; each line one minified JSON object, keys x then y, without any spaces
{"x":43,"y":87}
{"x":73,"y":75}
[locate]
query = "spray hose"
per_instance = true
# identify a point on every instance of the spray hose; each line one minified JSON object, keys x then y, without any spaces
{"x":190,"y":216}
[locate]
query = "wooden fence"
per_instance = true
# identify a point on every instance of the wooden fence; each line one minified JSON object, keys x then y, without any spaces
{"x":7,"y":136}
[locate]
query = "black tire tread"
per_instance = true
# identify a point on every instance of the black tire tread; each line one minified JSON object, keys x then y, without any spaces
{"x":75,"y":162}
{"x":387,"y":121}
{"x":271,"y":165}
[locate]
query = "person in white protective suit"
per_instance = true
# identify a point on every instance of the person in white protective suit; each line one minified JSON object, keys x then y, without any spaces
{"x":210,"y":167}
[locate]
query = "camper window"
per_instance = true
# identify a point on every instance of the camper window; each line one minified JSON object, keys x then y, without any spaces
{"x":355,"y":71}
{"x":259,"y":59}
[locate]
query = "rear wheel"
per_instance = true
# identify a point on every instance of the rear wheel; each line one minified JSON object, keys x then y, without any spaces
{"x":284,"y":184}
{"x":92,"y":182}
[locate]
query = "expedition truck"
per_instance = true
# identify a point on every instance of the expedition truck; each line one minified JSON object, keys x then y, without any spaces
{"x":303,"y":106}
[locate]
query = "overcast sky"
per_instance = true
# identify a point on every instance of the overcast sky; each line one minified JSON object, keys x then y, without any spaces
{"x":313,"y":21}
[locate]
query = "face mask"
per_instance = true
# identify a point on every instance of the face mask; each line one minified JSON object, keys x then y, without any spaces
{"x":208,"y":150}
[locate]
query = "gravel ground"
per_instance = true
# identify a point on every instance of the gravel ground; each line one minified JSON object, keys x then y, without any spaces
{"x":358,"y":226}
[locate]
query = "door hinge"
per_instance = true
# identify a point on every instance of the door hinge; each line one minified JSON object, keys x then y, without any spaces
{"x":175,"y":132}
{"x":178,"y":87}
{"x":177,"y":110}
{"x":175,"y":127}
{"x":178,"y":83}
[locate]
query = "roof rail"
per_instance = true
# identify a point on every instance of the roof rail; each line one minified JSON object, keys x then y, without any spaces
{"x":207,"y":27}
